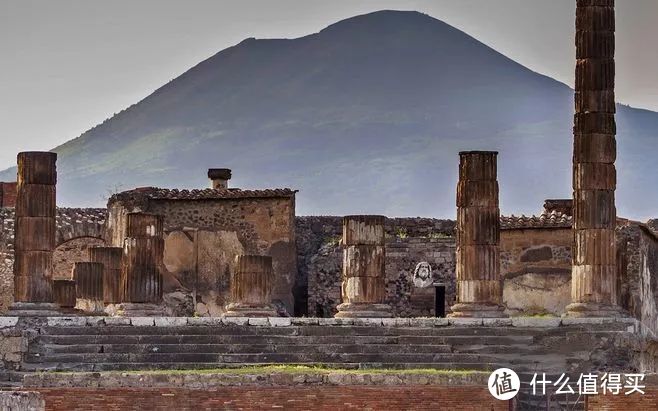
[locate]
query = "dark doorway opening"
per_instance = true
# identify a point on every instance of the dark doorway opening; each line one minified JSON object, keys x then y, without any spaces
{"x":440,"y":300}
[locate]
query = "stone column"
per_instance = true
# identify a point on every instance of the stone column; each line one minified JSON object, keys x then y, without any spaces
{"x":110,"y":257}
{"x":593,"y":278}
{"x":88,"y":279}
{"x":64,"y":293}
{"x":479,"y":285}
{"x":141,"y":275}
{"x":364,"y":268}
{"x":251,"y":287}
{"x":35,"y":234}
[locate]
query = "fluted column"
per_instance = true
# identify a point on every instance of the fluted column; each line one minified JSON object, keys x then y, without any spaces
{"x":479,"y":285}
{"x":110,"y":257}
{"x":35,"y":233}
{"x":364,"y":268}
{"x":88,"y":279}
{"x":251,"y":287}
{"x":141,"y":275}
{"x":593,"y":278}
{"x":64,"y":293}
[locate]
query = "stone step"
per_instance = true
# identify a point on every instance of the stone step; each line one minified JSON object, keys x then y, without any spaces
{"x":112,"y":366}
{"x":271,"y":358}
{"x":238,"y":348}
{"x":282,"y":339}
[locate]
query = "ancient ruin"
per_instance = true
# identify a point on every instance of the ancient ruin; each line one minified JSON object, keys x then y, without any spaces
{"x":88,"y":279}
{"x":251,"y":287}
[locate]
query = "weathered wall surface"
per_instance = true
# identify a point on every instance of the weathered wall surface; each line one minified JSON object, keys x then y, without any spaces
{"x":226,"y":228}
{"x":536,"y":268}
{"x":21,"y":401}
{"x":70,"y":252}
{"x":408,"y":242}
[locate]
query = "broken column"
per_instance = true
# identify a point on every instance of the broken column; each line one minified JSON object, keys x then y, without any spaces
{"x":141,"y":275}
{"x":364,"y":268}
{"x":251,"y":287}
{"x":110,"y":257}
{"x":35,"y":234}
{"x":479,"y":285}
{"x":88,"y":279}
{"x":593,"y":279}
{"x":64,"y":293}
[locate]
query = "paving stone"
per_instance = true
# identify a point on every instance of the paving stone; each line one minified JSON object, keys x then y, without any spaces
{"x":497,"y":322}
{"x":259,"y":321}
{"x":304,"y":321}
{"x":421,"y":322}
{"x":66,"y":321}
{"x":280,"y":321}
{"x":538,"y":322}
{"x":367,"y":321}
{"x":112,"y":321}
{"x":441,"y":322}
{"x":204,"y":321}
{"x":6,"y":322}
{"x":235,"y":320}
{"x":170,"y":321}
{"x":95,"y":321}
{"x":469,"y":322}
{"x":142,"y":321}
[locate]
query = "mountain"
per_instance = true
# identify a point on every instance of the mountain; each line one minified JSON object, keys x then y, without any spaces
{"x":366,"y":116}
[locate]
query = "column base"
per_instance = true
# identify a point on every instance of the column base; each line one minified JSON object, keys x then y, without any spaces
{"x":93,"y":307}
{"x":593,"y":310}
{"x":246,"y":310}
{"x":474,"y":310}
{"x":23,"y":309}
{"x":136,"y":310}
{"x":363,"y":310}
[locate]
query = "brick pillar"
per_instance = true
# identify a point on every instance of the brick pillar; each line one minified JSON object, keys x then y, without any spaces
{"x":479,"y":285}
{"x":88,"y":279}
{"x":251,"y":287}
{"x":364,"y":268}
{"x":593,"y":278}
{"x":110,"y":257}
{"x":141,"y":275}
{"x":35,"y":234}
{"x":64,"y":293}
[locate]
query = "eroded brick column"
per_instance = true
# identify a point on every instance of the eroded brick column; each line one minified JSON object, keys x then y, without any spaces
{"x":593,"y":279}
{"x":64,"y":293}
{"x":35,"y":233}
{"x":479,"y":285}
{"x":110,"y":257}
{"x":88,"y":279}
{"x":251,"y":287}
{"x":141,"y":275}
{"x":364,"y":268}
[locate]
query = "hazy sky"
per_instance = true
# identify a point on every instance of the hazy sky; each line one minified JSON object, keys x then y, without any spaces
{"x":66,"y":65}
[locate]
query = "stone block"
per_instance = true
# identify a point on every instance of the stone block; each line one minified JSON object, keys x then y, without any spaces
{"x":117,"y":321}
{"x":259,"y":321}
{"x":170,"y":321}
{"x":535,"y":322}
{"x":67,"y":321}
{"x":280,"y":321}
{"x":204,"y":321}
{"x":367,"y":321}
{"x":235,"y":320}
{"x":497,"y":322}
{"x":421,"y":322}
{"x":6,"y":322}
{"x":142,"y":321}
{"x":584,"y":320}
{"x":304,"y":321}
{"x":94,"y":321}
{"x":469,"y":322}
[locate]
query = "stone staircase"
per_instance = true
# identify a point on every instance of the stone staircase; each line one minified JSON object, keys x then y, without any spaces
{"x":432,"y":344}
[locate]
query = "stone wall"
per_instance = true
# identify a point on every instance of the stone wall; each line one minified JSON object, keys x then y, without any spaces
{"x":223,"y":228}
{"x":409,"y":241}
{"x":536,"y":269}
{"x":21,"y":401}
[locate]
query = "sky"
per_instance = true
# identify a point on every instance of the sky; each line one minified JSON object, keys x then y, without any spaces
{"x":67,"y":65}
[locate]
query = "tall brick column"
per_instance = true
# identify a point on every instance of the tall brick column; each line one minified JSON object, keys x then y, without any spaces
{"x":88,"y":287}
{"x":141,"y":275}
{"x":479,"y":285}
{"x":364,"y":268}
{"x":110,"y":257}
{"x":251,"y":287}
{"x":35,"y":234}
{"x":64,"y":293}
{"x":593,"y":278}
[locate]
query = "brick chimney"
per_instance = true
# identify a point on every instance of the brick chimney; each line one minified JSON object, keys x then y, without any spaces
{"x":219,"y":177}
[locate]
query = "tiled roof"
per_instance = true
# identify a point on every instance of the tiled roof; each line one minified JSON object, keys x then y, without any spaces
{"x":554,"y":219}
{"x":153,"y":193}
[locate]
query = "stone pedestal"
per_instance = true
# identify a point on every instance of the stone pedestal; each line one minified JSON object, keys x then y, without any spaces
{"x":34,"y":234}
{"x":364,"y":268}
{"x":251,"y":287}
{"x":89,"y":287}
{"x":594,"y":272}
{"x":141,"y":265}
{"x":479,"y":285}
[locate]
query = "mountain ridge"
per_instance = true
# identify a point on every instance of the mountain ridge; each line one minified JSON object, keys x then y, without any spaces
{"x":365,"y":116}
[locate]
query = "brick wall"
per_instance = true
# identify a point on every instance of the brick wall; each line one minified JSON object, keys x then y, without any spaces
{"x":635,"y":402}
{"x":7,"y":194}
{"x":287,"y":398}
